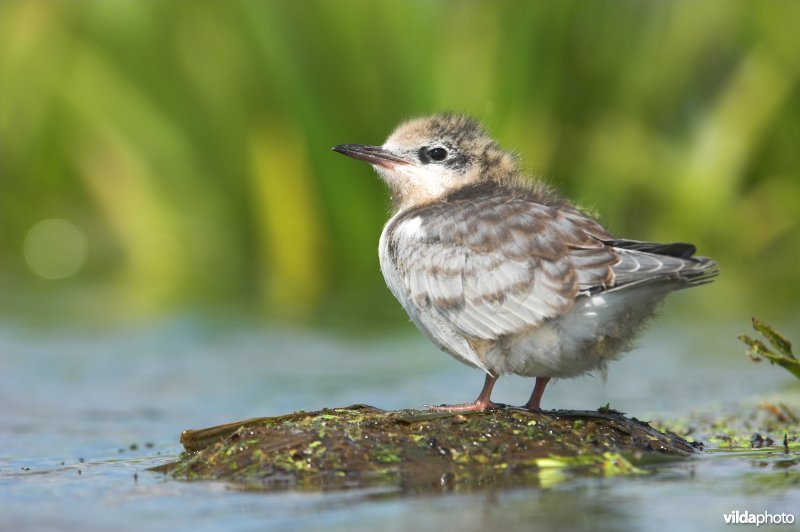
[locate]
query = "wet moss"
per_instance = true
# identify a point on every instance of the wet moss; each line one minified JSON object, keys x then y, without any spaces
{"x":420,"y":450}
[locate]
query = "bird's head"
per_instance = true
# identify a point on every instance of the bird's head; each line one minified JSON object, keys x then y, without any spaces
{"x":426,"y":158}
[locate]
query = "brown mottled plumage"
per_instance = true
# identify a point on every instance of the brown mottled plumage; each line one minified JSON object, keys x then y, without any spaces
{"x":503,"y":273}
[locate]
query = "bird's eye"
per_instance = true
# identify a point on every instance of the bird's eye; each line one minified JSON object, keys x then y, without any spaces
{"x":437,"y":154}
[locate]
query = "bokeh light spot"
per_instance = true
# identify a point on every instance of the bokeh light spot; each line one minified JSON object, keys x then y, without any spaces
{"x":55,"y":248}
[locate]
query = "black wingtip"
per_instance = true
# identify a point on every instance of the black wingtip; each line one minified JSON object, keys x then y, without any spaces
{"x":681,"y":250}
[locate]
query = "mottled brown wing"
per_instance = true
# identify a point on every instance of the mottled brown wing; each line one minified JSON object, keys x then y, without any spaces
{"x":497,"y":266}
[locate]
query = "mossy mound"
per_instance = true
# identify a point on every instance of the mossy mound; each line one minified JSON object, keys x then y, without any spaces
{"x":361,"y":446}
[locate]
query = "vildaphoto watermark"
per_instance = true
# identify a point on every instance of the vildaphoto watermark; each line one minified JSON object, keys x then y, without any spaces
{"x":746,"y":517}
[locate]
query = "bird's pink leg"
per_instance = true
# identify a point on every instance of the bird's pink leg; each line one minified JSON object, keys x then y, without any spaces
{"x":481,"y":404}
{"x":538,"y":390}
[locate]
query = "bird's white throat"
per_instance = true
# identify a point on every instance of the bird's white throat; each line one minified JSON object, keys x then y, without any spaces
{"x":412,"y":184}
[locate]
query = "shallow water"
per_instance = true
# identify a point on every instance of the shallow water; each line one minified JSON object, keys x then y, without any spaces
{"x":84,"y":413}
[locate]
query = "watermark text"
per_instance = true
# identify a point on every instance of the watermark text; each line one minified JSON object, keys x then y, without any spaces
{"x":747,"y":517}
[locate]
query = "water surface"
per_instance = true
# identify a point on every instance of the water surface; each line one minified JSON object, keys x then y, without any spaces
{"x":85,"y":412}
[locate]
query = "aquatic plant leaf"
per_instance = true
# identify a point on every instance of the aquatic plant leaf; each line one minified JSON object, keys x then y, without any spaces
{"x":758,"y":350}
{"x":777,"y":340}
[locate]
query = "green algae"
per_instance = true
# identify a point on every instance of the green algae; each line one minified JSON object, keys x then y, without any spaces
{"x":767,"y":425}
{"x":419,"y":450}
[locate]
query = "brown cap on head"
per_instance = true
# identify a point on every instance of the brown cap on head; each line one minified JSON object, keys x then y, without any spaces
{"x":456,"y":128}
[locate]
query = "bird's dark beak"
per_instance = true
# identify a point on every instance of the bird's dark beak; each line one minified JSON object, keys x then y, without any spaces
{"x":371,"y":154}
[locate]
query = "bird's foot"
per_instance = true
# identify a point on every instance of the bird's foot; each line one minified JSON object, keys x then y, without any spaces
{"x":481,"y":404}
{"x":530,"y":408}
{"x":534,"y":404}
{"x":475,"y":406}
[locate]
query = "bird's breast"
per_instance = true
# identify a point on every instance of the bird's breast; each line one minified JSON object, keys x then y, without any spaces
{"x":401,"y":231}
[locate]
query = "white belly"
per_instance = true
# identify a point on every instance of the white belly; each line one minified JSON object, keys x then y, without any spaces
{"x":596,"y":331}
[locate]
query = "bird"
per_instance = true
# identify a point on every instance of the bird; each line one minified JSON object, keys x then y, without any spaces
{"x":501,"y":271}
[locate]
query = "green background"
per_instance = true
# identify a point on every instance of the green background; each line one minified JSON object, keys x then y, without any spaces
{"x":187,"y":144}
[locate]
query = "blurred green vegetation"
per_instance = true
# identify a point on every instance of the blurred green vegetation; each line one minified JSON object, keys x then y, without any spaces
{"x":183,"y":147}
